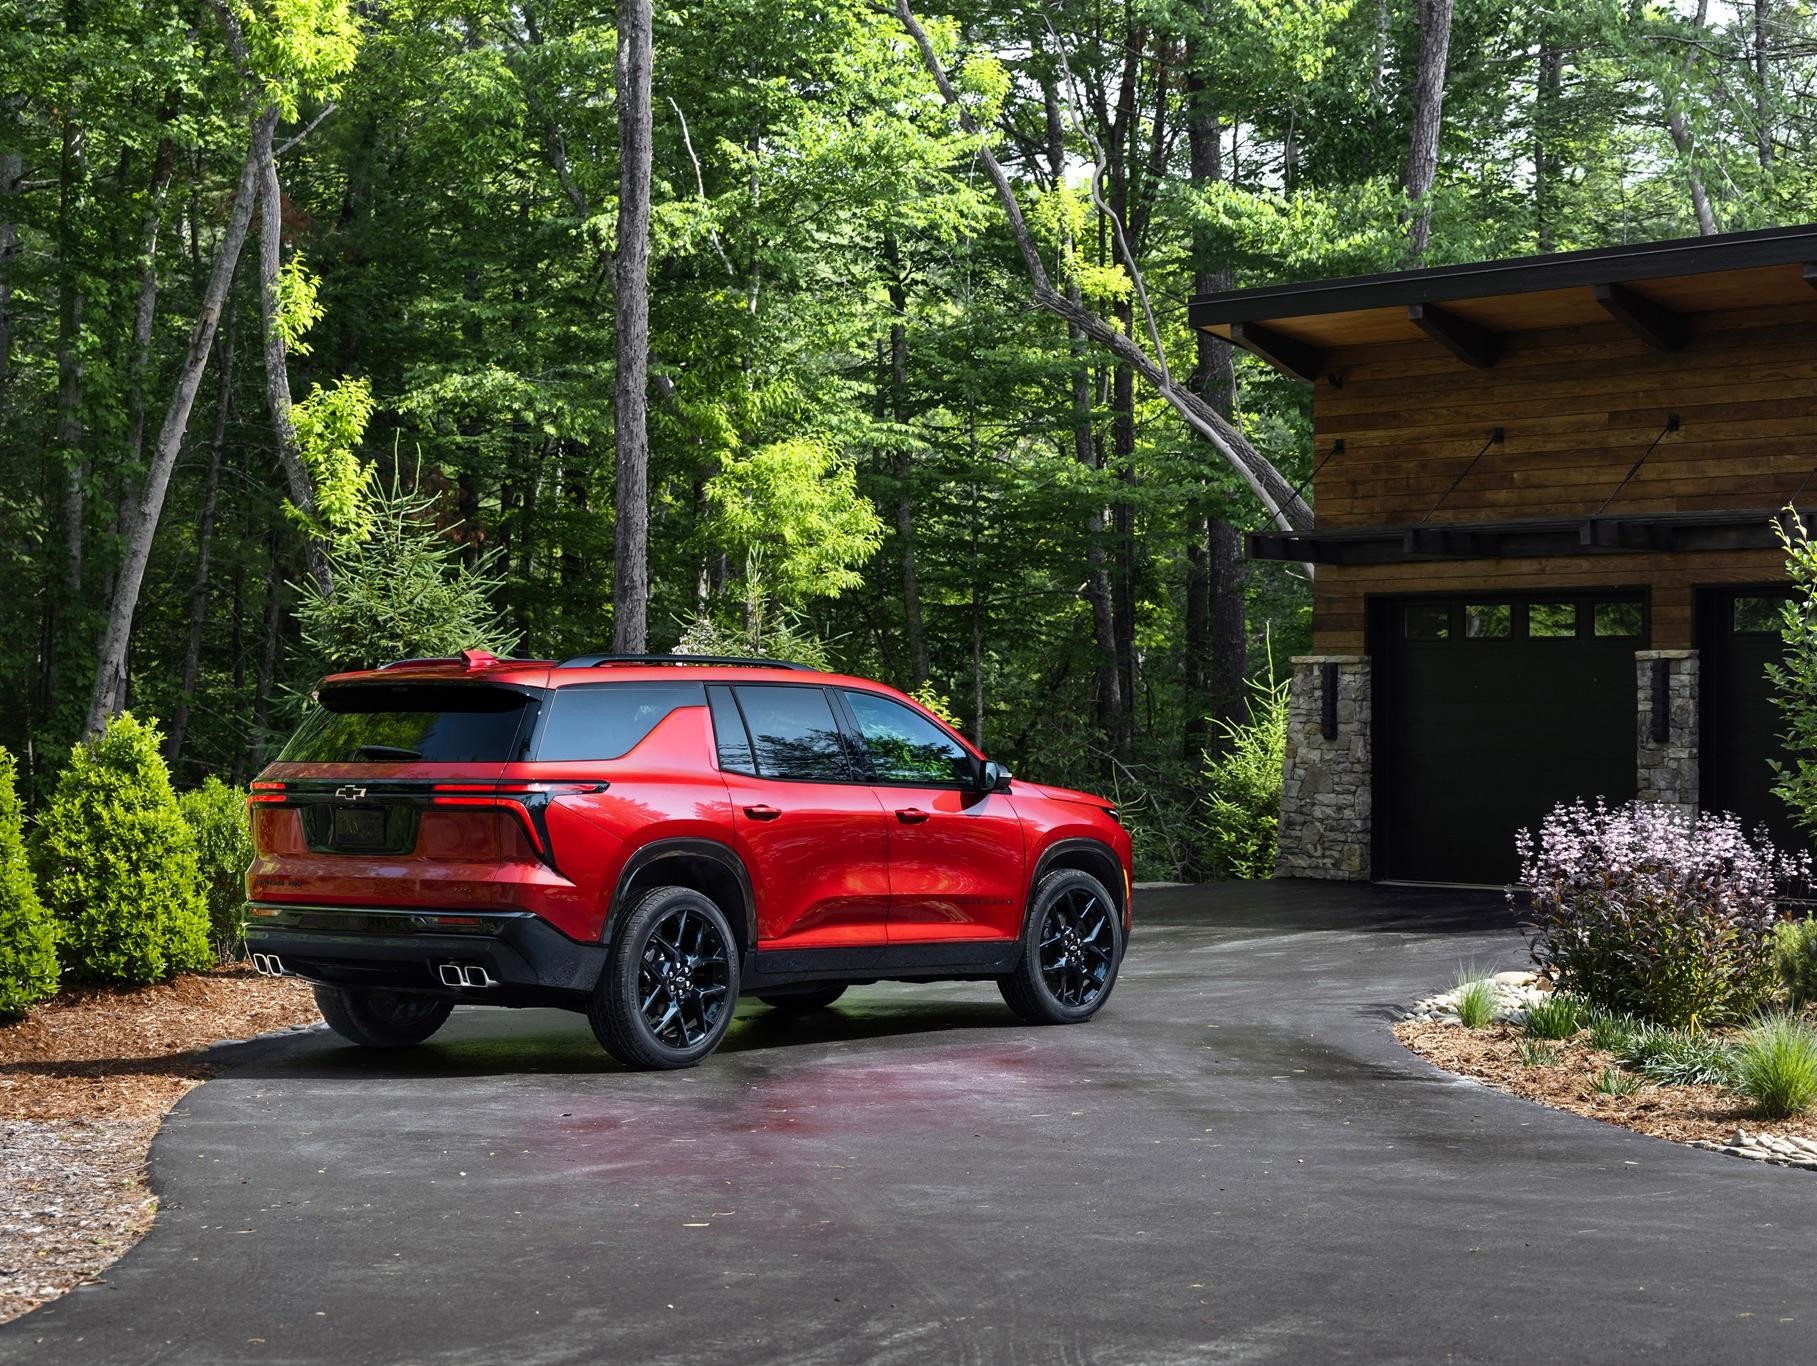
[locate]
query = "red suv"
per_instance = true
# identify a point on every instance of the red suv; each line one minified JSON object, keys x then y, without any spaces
{"x":643,"y":838}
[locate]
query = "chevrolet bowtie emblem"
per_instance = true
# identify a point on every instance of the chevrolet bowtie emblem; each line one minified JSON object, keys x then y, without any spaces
{"x":350,"y":793}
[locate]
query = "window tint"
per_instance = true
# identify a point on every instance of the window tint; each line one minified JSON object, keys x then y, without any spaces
{"x":609,"y":720}
{"x":904,"y":746}
{"x":438,"y":723}
{"x":728,"y":728}
{"x":793,"y":733}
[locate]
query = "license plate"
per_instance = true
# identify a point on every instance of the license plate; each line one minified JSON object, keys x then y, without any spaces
{"x":359,"y":827}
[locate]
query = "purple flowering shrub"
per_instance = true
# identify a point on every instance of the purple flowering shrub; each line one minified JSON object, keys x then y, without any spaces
{"x":1635,"y":910}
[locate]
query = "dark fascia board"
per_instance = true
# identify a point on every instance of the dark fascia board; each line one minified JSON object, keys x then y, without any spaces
{"x":1520,"y":275}
{"x":1677,"y":532}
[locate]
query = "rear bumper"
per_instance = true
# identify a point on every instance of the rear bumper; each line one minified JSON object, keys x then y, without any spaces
{"x":354,"y":946}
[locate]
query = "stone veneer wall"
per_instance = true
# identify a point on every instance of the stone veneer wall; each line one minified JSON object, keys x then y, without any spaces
{"x":1666,"y":771}
{"x":1326,"y":784}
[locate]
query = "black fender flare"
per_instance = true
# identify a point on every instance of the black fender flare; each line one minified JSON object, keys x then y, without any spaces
{"x":658,"y":850}
{"x":1099,"y":851}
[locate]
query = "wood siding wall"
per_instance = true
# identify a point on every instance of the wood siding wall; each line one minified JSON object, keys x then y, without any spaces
{"x":1578,"y":407}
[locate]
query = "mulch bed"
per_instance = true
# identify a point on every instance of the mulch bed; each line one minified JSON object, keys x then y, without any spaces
{"x":1683,"y":1114}
{"x":84,"y":1082}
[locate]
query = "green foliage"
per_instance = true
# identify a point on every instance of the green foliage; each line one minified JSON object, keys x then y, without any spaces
{"x":1474,"y":999}
{"x":1776,"y":1065}
{"x":28,"y":951}
{"x":404,"y":591}
{"x":216,"y":814}
{"x":775,"y":633}
{"x":1535,"y":1053}
{"x":1612,"y":1031}
{"x":329,"y":424}
{"x":791,"y":509}
{"x":1794,"y":676}
{"x":1678,"y":1057}
{"x":1615,"y":1083}
{"x":1795,"y":955}
{"x":117,"y":863}
{"x":1559,"y":1016}
{"x":1242,"y":804}
{"x":938,"y":703}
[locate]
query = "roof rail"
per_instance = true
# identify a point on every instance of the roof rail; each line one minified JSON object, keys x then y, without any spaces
{"x":721,"y":661}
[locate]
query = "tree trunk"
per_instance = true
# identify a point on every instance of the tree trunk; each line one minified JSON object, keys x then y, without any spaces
{"x":631,"y":534}
{"x":12,"y":167}
{"x":1428,"y":107}
{"x":148,"y":302}
{"x":1227,"y":681}
{"x":198,"y":593}
{"x":71,"y":303}
{"x":1546,"y":160}
{"x":902,"y":461}
{"x":110,"y":673}
{"x":268,"y":652}
{"x":277,"y":361}
{"x":1763,"y":94}
{"x":1687,"y":145}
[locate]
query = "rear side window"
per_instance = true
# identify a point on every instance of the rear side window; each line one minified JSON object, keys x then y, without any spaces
{"x":793,"y":734}
{"x":609,"y":720}
{"x":438,"y":723}
{"x":728,"y":729}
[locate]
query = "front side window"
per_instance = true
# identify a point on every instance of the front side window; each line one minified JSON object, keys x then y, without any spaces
{"x":609,"y":720}
{"x":436,"y":723}
{"x":793,"y":734}
{"x":904,"y":746}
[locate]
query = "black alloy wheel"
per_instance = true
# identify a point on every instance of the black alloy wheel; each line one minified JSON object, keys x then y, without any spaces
{"x":668,"y":992}
{"x":1071,"y":951}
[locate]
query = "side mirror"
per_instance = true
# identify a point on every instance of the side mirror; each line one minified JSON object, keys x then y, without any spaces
{"x":993,"y":777}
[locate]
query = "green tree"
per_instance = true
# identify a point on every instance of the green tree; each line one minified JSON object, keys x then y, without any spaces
{"x":216,"y":814}
{"x":117,"y":863}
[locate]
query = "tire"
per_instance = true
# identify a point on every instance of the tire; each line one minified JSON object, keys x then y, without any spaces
{"x":381,"y":1019}
{"x":666,"y":997}
{"x":804,"y":1002}
{"x":1071,"y":950}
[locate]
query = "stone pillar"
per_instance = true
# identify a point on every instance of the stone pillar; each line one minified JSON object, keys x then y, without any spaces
{"x":1326,"y":782}
{"x":1665,"y":771}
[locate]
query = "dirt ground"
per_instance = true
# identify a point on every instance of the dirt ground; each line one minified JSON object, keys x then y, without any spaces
{"x":1680,"y":1113}
{"x":84,"y":1083}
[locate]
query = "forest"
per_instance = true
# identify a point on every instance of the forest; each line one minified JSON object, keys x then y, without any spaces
{"x":334,"y":330}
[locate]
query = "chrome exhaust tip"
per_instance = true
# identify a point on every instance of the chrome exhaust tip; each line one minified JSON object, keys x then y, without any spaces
{"x":450,"y":973}
{"x":477,"y":976}
{"x":268,"y":965}
{"x":465,"y":976}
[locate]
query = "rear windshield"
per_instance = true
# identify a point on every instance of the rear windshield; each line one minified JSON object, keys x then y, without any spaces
{"x":609,"y":720}
{"x":437,"y":723}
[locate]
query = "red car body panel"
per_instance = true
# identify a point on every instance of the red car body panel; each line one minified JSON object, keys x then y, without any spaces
{"x":829,"y":866}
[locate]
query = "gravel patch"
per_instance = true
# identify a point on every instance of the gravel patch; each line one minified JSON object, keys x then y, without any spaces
{"x":85,"y":1081}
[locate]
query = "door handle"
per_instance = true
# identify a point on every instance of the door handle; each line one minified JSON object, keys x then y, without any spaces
{"x":762,"y":813}
{"x":911,"y":815}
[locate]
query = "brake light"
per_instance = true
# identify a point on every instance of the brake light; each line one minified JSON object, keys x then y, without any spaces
{"x":515,"y":805}
{"x":264,"y":794}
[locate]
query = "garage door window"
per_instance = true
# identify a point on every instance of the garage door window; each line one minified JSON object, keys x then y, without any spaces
{"x":1551,"y":620}
{"x":1428,"y":623}
{"x":1487,"y":620}
{"x":1617,"y":618}
{"x":1758,"y":616}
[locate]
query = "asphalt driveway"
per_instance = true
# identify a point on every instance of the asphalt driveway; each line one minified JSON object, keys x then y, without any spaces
{"x":1236,"y":1162}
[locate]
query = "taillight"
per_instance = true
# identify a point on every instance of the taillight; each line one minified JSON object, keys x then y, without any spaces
{"x":525,"y":801}
{"x":264,"y":794}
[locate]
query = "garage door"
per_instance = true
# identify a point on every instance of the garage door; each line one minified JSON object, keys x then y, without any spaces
{"x":1489,"y":711}
{"x":1737,"y":636}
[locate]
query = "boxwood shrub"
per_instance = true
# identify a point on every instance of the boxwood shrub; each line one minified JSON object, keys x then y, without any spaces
{"x":216,"y":814}
{"x":28,"y":951}
{"x":117,"y":863}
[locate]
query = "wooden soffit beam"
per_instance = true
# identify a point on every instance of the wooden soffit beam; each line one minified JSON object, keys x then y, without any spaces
{"x":1468,"y":341}
{"x":1293,"y":358}
{"x":1662,"y":328}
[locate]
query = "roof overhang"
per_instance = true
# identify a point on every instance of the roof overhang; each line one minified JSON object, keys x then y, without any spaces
{"x":1654,"y":289}
{"x":1672,"y":532}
